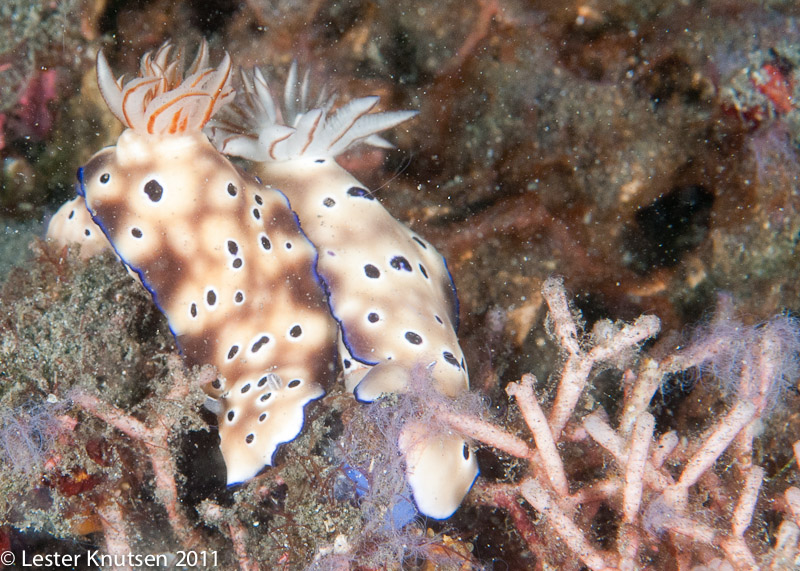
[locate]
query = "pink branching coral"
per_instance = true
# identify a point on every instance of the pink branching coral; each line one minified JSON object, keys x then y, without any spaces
{"x":155,"y":436}
{"x":669,"y":499}
{"x":238,"y":535}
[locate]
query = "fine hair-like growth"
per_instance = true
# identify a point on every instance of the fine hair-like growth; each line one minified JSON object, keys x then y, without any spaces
{"x":27,"y":434}
{"x":756,"y":363}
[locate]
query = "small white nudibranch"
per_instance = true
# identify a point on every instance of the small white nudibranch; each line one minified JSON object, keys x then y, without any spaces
{"x":388,"y":288}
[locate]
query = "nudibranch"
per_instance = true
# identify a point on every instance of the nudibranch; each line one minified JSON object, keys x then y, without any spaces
{"x":389,"y":289}
{"x":222,"y":255}
{"x":72,"y":224}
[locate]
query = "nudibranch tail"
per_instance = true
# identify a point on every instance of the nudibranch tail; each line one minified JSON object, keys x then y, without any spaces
{"x":72,"y":224}
{"x":440,"y":469}
{"x":160,"y":100}
{"x":252,"y":427}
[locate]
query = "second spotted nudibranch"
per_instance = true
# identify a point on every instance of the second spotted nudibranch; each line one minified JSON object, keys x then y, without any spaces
{"x":221,"y":254}
{"x":389,"y":289}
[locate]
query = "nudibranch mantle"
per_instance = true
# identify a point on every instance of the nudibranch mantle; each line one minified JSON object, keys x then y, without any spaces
{"x":221,"y":254}
{"x":389,"y":289}
{"x":72,"y":224}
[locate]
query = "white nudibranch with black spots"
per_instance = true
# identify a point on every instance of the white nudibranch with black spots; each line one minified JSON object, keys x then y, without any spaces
{"x":388,"y":288}
{"x":221,"y":254}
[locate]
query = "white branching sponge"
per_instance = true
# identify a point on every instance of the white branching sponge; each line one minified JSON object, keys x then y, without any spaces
{"x":221,"y":254}
{"x":389,"y":289}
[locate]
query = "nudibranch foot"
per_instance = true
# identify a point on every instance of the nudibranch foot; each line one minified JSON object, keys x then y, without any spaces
{"x":383,"y":378}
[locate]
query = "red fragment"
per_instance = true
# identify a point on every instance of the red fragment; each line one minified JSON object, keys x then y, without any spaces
{"x":99,"y":450}
{"x":78,"y":482}
{"x":775,"y":85}
{"x":33,"y":115}
{"x":5,"y":542}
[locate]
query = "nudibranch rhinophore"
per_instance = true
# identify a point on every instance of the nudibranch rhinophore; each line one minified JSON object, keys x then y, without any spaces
{"x":389,"y":289}
{"x":222,"y":255}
